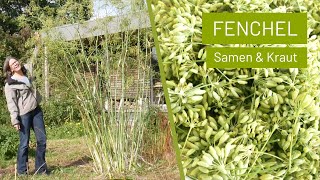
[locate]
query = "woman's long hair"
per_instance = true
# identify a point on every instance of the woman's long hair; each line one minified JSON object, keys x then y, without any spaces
{"x":6,"y":68}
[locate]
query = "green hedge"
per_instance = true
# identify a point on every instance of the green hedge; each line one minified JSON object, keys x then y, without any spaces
{"x":9,"y":141}
{"x":57,"y":112}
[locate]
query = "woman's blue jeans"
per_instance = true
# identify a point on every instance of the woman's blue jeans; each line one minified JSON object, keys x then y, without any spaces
{"x":34,"y":120}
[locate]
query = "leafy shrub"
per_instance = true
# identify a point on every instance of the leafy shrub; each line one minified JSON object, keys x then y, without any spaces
{"x":57,"y":112}
{"x":66,"y":131}
{"x":9,"y":142}
{"x":4,"y":113}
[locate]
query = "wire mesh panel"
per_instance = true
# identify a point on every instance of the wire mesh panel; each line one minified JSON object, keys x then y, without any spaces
{"x":136,"y":85}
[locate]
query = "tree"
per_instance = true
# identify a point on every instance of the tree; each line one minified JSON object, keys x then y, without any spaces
{"x":11,"y":34}
{"x":41,"y":14}
{"x":19,"y":18}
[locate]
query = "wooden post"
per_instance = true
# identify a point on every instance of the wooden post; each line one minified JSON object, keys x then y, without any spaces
{"x":35,"y":51}
{"x":34,"y":57}
{"x":46,"y":72}
{"x":15,"y":171}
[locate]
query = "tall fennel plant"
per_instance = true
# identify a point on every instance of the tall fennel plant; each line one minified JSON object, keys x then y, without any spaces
{"x":114,"y":132}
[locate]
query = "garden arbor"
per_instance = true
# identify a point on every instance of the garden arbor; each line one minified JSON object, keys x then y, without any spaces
{"x":99,"y":28}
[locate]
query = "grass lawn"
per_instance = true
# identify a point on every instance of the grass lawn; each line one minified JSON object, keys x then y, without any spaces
{"x":70,"y":159}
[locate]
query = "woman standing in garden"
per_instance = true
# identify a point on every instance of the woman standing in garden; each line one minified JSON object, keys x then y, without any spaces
{"x":23,"y":104}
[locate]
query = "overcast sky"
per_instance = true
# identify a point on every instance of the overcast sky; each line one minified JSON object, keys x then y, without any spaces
{"x":101,"y":9}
